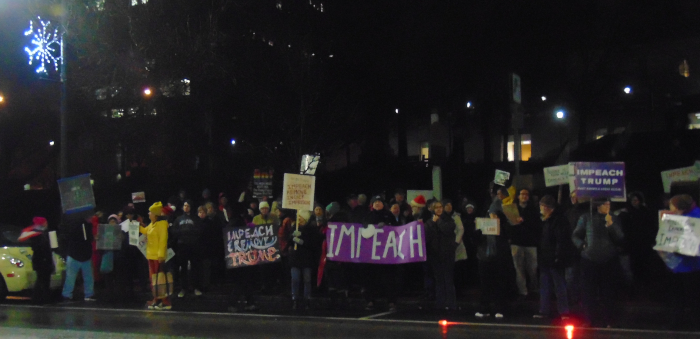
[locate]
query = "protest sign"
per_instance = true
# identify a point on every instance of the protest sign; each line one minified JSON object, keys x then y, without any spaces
{"x":489,"y":226}
{"x":599,"y":179}
{"x":142,"y":244}
{"x":556,"y":175}
{"x":387,"y":245}
{"x":109,"y":237}
{"x":298,"y":192}
{"x":53,"y":239}
{"x":501,"y":177}
{"x":250,"y":246}
{"x":512,"y":213}
{"x":76,"y":194}
{"x":138,"y":197}
{"x":309,"y":163}
{"x":262,"y":184}
{"x":691,"y":173}
{"x":133,"y":229}
{"x":679,"y":234}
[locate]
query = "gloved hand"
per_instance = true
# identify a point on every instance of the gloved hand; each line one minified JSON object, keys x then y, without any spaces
{"x":298,"y":240}
{"x":296,"y":234}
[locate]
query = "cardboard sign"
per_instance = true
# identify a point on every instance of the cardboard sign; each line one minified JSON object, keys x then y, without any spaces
{"x":512,"y":213}
{"x":250,"y":246}
{"x":298,"y":192}
{"x":262,"y":184}
{"x":386,"y":245}
{"x":501,"y":177}
{"x":599,"y":179}
{"x":76,"y":194}
{"x":556,"y":175}
{"x":138,"y":197}
{"x":109,"y":237}
{"x":691,"y":173}
{"x":489,"y":226}
{"x":679,"y":234}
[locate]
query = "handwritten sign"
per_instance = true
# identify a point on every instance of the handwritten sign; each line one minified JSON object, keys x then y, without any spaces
{"x":489,"y":226}
{"x":691,"y":173}
{"x":501,"y":177}
{"x":387,"y":245}
{"x":679,"y":234}
{"x":250,"y":246}
{"x":298,"y":192}
{"x":109,"y":237}
{"x":133,"y":229}
{"x":599,"y":179}
{"x":556,"y":175}
{"x":76,"y":194}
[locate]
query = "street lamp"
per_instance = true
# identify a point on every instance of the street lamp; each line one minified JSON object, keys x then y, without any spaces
{"x":2,"y":99}
{"x":147,"y":92}
{"x":397,"y":111}
{"x":560,"y":114}
{"x":233,"y":142}
{"x":469,"y":104}
{"x":628,"y":90}
{"x":51,"y":143}
{"x":544,"y":98}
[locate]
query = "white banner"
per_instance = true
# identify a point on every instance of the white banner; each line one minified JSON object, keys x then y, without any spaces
{"x":679,"y":234}
{"x":690,"y":173}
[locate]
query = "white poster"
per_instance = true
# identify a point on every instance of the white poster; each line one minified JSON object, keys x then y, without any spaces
{"x":298,"y":192}
{"x":133,"y":233}
{"x":488,"y":226}
{"x":501,"y":177}
{"x":556,"y":175}
{"x":679,"y":234}
{"x":690,"y":173}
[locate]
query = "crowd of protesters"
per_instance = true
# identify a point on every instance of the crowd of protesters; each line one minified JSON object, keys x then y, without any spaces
{"x":584,"y":254}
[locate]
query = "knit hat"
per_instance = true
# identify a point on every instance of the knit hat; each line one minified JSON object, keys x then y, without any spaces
{"x":375,"y":199}
{"x":39,"y":220}
{"x":156,"y":208}
{"x":418,"y":201}
{"x":469,"y":205}
{"x":306,"y":215}
{"x":333,"y":208}
{"x":263,"y":205}
{"x":113,"y":216}
{"x":167,"y":211}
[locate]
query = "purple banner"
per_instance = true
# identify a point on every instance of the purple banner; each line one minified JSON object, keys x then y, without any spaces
{"x":386,"y":245}
{"x":599,"y":179}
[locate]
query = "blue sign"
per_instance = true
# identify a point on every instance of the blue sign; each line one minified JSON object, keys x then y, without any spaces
{"x":76,"y":194}
{"x":599,"y":179}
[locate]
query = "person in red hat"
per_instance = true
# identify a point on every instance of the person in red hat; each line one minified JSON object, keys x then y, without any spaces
{"x":42,"y":258}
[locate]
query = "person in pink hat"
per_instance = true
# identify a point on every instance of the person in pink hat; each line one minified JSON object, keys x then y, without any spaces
{"x":42,"y":258}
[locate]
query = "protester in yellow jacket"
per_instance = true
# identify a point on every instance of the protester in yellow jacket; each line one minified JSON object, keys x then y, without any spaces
{"x":156,"y":252}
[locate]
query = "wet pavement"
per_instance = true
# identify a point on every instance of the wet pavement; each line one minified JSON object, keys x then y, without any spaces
{"x":84,"y":321}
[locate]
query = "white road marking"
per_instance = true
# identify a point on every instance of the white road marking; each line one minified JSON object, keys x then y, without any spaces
{"x":373,"y":316}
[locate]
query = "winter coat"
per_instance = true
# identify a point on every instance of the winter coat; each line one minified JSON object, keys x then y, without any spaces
{"x":212,"y":238}
{"x":528,"y":232}
{"x":357,"y":215}
{"x":270,"y":220}
{"x":42,"y":257}
{"x":80,"y":240}
{"x":440,"y":238}
{"x":398,"y":221}
{"x":187,"y":234}
{"x":156,"y":239}
{"x":461,"y":250}
{"x":284,"y":234}
{"x":556,"y":248}
{"x":597,"y":242}
{"x":377,"y":217}
{"x":303,"y":255}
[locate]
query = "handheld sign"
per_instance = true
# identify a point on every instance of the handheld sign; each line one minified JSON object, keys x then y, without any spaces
{"x":76,"y":194}
{"x":250,"y":246}
{"x":599,"y":179}
{"x":501,"y":177}
{"x":298,"y":192}
{"x":109,"y":237}
{"x":556,"y":175}
{"x":679,"y":234}
{"x":691,"y":173}
{"x":489,"y":226}
{"x":138,"y":197}
{"x":387,"y":245}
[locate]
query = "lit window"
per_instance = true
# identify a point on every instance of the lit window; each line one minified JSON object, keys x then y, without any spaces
{"x":525,"y":148}
{"x":153,"y":112}
{"x":101,"y":94}
{"x":133,"y":110}
{"x":279,"y":4}
{"x":424,"y":151}
{"x":138,"y":2}
{"x":185,"y":87}
{"x":117,"y":113}
{"x":694,"y":121}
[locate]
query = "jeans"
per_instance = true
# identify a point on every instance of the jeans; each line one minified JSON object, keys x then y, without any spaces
{"x":599,"y":281}
{"x":573,"y":282}
{"x":296,"y":279}
{"x":182,"y":259}
{"x":72,"y":268}
{"x":553,"y":277}
{"x":495,"y":283}
{"x":525,"y":261}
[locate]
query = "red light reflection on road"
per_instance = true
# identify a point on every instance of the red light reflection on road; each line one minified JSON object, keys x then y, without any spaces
{"x":569,"y":331}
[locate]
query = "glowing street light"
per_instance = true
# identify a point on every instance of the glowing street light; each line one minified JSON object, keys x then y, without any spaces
{"x":544,"y":98}
{"x":397,"y":111}
{"x":628,"y":90}
{"x":147,"y":91}
{"x":2,"y":99}
{"x":469,"y":104}
{"x":51,"y":143}
{"x":233,"y":142}
{"x":560,"y":114}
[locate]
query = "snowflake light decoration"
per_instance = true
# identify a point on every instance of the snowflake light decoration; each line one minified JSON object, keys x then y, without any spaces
{"x":47,"y":46}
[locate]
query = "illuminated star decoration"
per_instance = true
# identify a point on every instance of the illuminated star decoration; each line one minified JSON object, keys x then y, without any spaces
{"x":46,"y":45}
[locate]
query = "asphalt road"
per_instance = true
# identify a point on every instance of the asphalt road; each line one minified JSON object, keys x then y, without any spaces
{"x":84,"y":321}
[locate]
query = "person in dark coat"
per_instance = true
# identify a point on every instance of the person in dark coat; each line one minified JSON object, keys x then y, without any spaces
{"x":524,"y":238}
{"x":302,"y":246}
{"x":379,"y":280}
{"x":186,"y":237}
{"x":42,"y":260}
{"x":441,"y":247}
{"x":80,"y":240}
{"x":556,"y":252}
